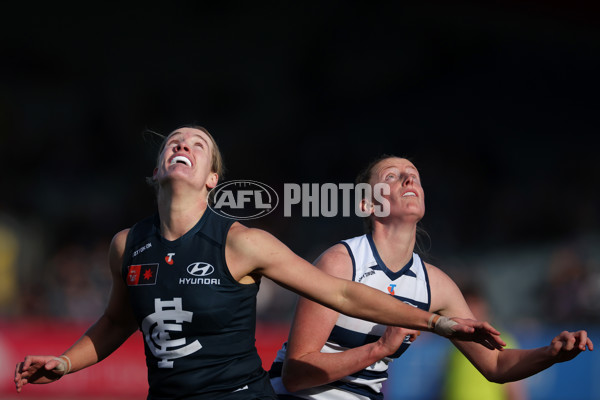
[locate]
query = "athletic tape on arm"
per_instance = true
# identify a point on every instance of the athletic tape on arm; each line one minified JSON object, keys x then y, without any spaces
{"x":441,"y":325}
{"x":444,"y":326}
{"x":64,"y":365}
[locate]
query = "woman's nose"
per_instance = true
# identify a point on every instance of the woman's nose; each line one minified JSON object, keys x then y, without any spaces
{"x":181,"y":146}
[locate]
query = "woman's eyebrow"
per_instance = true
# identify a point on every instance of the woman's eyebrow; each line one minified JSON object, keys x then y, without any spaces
{"x":174,"y":135}
{"x":385,"y":170}
{"x":203,"y":139}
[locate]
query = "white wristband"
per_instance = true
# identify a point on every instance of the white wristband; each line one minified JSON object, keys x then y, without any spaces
{"x":64,"y":366}
{"x":443,"y":326}
{"x":432,"y":321}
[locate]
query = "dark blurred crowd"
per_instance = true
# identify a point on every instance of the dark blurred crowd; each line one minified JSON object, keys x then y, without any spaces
{"x":496,"y":104}
{"x":559,"y":282}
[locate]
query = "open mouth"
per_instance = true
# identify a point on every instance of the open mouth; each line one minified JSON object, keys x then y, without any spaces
{"x":409,"y":194}
{"x":181,"y":160}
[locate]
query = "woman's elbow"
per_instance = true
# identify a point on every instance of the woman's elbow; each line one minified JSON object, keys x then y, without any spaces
{"x":290,"y":382}
{"x":494,"y":377}
{"x":295,"y":375}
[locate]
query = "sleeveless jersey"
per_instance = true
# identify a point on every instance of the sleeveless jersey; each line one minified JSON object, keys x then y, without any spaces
{"x":410,"y":285}
{"x":197,"y":321}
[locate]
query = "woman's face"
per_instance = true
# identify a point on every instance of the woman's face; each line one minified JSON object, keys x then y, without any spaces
{"x":406,"y":198}
{"x":187,"y":156}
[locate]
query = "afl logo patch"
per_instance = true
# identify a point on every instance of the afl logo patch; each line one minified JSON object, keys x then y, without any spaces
{"x":200,"y":269}
{"x":243,"y":199}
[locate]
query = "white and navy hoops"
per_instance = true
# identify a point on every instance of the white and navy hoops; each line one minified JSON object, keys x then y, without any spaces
{"x":410,"y":285}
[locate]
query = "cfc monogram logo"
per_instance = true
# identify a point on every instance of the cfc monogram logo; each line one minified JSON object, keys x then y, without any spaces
{"x":156,"y":332}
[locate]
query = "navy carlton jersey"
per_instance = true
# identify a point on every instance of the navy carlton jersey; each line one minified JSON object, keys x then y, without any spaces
{"x":410,"y":285}
{"x":197,"y":321}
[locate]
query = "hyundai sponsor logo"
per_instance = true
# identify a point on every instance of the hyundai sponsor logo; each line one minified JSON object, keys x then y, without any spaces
{"x":200,"y":269}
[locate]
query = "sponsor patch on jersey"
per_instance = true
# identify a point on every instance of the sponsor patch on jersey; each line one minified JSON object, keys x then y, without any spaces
{"x":143,"y":274}
{"x":392,"y":289}
{"x":200,"y":272}
{"x":142,"y":249}
{"x":200,"y":269}
{"x":365,"y":275}
{"x":169,"y":258}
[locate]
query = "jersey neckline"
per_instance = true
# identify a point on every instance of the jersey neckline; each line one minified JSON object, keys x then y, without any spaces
{"x":390,"y":274}
{"x":191,"y":232}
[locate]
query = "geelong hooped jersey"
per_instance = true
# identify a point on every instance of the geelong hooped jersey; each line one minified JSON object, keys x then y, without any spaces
{"x":197,"y":321}
{"x":410,"y":285}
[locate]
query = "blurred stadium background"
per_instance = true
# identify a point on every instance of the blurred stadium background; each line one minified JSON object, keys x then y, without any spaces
{"x":497,"y":104}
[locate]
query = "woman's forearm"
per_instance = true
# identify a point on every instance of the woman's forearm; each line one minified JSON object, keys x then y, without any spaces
{"x":517,"y":364}
{"x":98,"y":342}
{"x":316,"y":369}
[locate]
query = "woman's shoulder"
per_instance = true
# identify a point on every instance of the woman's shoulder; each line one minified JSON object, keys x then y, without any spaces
{"x":437,"y":275}
{"x":120,"y":239}
{"x":336,"y":261}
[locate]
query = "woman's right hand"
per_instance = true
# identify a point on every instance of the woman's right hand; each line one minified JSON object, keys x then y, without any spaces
{"x":474,"y":331}
{"x":38,"y":370}
{"x":393,"y":337}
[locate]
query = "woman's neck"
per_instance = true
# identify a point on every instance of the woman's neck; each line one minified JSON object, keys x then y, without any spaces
{"x":395,"y":243}
{"x":179,"y":211}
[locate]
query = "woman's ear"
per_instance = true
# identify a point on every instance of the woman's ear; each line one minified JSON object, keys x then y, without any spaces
{"x":366,"y":207}
{"x":212,"y":180}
